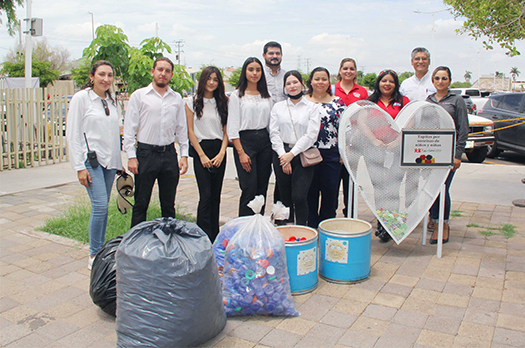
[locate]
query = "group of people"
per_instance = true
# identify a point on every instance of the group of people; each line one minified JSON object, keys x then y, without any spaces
{"x":270,"y":120}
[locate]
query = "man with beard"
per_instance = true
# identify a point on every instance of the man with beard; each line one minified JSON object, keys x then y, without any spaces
{"x":156,"y":115}
{"x":272,"y":54}
{"x":419,"y":86}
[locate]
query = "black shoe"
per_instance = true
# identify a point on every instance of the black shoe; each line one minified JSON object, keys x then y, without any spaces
{"x":383,"y":235}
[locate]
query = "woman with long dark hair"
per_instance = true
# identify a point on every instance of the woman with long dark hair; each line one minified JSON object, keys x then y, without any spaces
{"x":455,"y":106}
{"x":94,"y":147}
{"x":207,"y":114}
{"x":383,"y":138}
{"x":325,"y":183}
{"x":294,"y":127}
{"x":249,"y":109}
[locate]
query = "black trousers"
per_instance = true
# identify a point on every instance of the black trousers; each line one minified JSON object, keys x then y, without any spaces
{"x":325,"y":182}
{"x":209,"y":181}
{"x":155,"y":163}
{"x":294,"y":188}
{"x":256,"y":144}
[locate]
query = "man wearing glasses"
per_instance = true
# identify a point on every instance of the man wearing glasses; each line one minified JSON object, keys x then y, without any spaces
{"x":157,"y":117}
{"x":419,"y":86}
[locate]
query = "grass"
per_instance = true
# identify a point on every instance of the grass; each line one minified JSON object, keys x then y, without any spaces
{"x":506,"y":230}
{"x":456,"y":213}
{"x":74,"y":221}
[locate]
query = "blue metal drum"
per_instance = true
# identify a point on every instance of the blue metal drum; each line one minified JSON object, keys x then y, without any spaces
{"x":301,"y":258}
{"x":344,"y":250}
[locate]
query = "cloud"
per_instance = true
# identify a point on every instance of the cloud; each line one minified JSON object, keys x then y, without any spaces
{"x":326,"y":39}
{"x":147,"y":28}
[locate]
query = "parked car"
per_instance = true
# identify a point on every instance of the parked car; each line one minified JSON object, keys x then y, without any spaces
{"x":471,"y":107}
{"x":480,"y":138}
{"x":508,"y":111}
{"x":478,"y":97}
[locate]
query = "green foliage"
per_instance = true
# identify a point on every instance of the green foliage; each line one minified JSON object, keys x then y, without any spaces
{"x":132,"y":65}
{"x":81,"y":74}
{"x":405,"y":75}
{"x":514,"y":72}
{"x":198,"y":74}
{"x":456,"y":213}
{"x":9,"y":7}
{"x":73,"y":222}
{"x":459,"y":84}
{"x":369,"y":80}
{"x":467,"y":76}
{"x":41,"y":69}
{"x":360,"y":76}
{"x":502,"y":21}
{"x":506,"y":230}
{"x":234,"y":77}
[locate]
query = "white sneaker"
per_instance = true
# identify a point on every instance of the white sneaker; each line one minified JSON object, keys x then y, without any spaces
{"x":90,"y":262}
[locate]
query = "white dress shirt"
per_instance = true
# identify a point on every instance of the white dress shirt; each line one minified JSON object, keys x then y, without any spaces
{"x":251,"y":112}
{"x":86,"y":115}
{"x":416,"y":89}
{"x":275,"y":83}
{"x":157,"y":120}
{"x":209,"y":126}
{"x":306,"y":121}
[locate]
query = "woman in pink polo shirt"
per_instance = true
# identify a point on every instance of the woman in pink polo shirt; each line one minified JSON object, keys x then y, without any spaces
{"x":349,"y":91}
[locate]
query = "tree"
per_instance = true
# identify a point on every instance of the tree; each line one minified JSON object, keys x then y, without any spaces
{"x":81,"y":74}
{"x":369,"y":80}
{"x":132,"y":65}
{"x":514,"y":72}
{"x":234,"y":77}
{"x":502,"y":21}
{"x":58,"y":56}
{"x":41,"y":69}
{"x":405,"y":75}
{"x":459,"y":84}
{"x":9,"y":7}
{"x":468,"y":75}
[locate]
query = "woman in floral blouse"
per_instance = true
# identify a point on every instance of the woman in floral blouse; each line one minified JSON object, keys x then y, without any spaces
{"x":326,"y":176}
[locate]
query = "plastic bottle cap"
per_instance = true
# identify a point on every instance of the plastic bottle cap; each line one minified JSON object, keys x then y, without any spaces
{"x":250,"y":274}
{"x":291,"y":239}
{"x":264,"y":263}
{"x":270,"y":270}
{"x":225,"y":242}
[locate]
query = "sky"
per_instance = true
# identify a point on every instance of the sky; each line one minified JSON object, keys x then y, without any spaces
{"x":378,"y":34}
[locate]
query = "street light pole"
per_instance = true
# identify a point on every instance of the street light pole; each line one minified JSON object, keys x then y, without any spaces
{"x":29,"y":46}
{"x":433,"y":31}
{"x":92,"y":24}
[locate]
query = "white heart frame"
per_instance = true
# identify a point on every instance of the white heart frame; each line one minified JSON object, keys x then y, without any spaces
{"x":370,"y":145}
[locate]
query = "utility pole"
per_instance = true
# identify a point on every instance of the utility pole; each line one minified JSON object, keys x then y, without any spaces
{"x":179,"y":44}
{"x":299,"y":62}
{"x":308,"y":60}
{"x":92,"y":24}
{"x":29,"y":46}
{"x":156,"y":29}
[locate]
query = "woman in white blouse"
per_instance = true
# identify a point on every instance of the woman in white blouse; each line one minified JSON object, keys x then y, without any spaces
{"x":207,"y":114}
{"x":294,"y":126}
{"x":248,"y":119}
{"x":92,"y":124}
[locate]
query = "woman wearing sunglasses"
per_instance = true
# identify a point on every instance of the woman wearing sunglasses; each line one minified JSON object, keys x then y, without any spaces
{"x":94,"y":146}
{"x":455,"y":106}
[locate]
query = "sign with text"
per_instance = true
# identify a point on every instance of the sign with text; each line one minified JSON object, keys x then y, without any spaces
{"x":428,"y":148}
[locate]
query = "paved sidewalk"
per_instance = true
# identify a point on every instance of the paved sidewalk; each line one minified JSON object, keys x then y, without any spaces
{"x":474,"y":296}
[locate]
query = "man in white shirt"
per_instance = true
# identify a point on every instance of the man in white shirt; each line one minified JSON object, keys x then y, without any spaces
{"x":156,"y":115}
{"x":419,"y":86}
{"x":272,"y":54}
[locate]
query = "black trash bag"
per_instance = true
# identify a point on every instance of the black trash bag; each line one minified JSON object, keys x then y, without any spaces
{"x":103,"y":283}
{"x":168,"y":288}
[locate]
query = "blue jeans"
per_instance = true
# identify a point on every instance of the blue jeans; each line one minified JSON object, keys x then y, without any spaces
{"x":99,"y":191}
{"x":434,"y":210}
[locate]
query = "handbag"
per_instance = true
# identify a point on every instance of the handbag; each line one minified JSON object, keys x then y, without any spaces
{"x":309,"y":157}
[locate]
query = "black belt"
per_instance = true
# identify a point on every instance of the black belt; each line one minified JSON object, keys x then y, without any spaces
{"x":157,"y":148}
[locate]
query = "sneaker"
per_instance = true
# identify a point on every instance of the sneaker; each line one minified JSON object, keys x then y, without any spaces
{"x":90,"y":262}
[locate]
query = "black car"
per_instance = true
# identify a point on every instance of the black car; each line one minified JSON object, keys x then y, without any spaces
{"x":506,"y":110}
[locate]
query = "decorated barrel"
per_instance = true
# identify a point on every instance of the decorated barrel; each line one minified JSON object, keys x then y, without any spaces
{"x":301,"y":257}
{"x":344,"y":250}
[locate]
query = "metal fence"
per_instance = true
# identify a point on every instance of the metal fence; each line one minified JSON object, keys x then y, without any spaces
{"x":33,"y":127}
